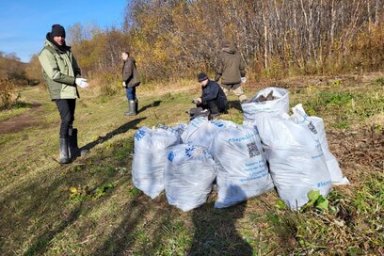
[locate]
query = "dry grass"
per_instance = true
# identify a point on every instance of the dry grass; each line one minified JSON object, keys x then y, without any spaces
{"x":90,"y":207}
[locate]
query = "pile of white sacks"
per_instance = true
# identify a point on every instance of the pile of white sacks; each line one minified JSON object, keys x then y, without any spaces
{"x":271,"y":149}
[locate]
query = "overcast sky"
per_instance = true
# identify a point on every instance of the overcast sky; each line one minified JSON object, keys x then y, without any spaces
{"x":24,"y":24}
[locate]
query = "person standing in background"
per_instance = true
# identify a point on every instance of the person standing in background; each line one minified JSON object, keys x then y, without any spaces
{"x":62,"y":74}
{"x":130,"y":81}
{"x":231,"y":70}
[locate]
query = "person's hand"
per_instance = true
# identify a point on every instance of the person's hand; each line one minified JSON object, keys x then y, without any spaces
{"x":124,"y":84}
{"x":243,"y":79}
{"x":81,"y":82}
{"x":196,"y":101}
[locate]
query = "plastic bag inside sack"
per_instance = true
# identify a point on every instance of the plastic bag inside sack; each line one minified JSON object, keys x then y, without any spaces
{"x":244,"y":173}
{"x":296,"y":160}
{"x":189,"y":176}
{"x":150,"y":158}
{"x":200,"y":131}
{"x":269,"y":101}
{"x":316,"y":126}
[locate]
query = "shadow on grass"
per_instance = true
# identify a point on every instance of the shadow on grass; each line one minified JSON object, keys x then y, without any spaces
{"x":153,"y":104}
{"x":235,"y":104}
{"x":150,"y":227}
{"x":166,"y":232}
{"x":215,"y":230}
{"x":41,"y":243}
{"x":122,"y":129}
{"x":40,"y":209}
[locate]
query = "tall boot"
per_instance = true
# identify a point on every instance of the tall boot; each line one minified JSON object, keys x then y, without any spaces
{"x":136,"y":106}
{"x":73,"y":148}
{"x":131,"y":108}
{"x":64,"y":156}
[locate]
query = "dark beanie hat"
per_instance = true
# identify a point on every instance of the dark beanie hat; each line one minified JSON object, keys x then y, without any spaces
{"x":202,"y":76}
{"x":57,"y":30}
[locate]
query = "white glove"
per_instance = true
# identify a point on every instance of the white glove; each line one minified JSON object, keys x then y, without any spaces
{"x":81,"y":82}
{"x":243,"y":79}
{"x":197,"y":101}
{"x":124,"y":84}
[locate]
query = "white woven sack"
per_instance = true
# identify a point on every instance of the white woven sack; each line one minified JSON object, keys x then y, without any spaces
{"x":150,"y":158}
{"x":189,"y":176}
{"x":244,"y":173}
{"x":317,"y":129}
{"x":251,"y":109}
{"x":296,"y":160}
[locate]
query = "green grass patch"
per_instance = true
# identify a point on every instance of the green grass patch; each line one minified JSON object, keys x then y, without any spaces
{"x":90,"y":207}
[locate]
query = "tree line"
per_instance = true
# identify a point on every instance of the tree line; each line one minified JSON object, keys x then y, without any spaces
{"x":177,"y":38}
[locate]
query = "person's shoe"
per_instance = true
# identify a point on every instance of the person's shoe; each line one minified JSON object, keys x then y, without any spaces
{"x":64,"y":156}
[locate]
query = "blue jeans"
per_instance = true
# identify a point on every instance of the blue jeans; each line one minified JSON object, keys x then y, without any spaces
{"x":131,"y":93}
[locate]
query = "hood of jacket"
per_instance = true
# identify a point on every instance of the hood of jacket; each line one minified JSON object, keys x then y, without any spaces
{"x":61,"y":48}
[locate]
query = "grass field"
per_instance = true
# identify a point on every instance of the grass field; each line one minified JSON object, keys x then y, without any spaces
{"x":90,"y":206}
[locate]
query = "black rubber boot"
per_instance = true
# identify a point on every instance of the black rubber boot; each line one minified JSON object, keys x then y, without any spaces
{"x":64,"y":156}
{"x":73,"y":148}
{"x":131,"y":108}
{"x":136,"y":106}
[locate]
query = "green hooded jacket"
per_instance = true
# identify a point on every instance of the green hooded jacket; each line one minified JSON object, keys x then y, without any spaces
{"x":230,"y":67}
{"x":60,"y":70}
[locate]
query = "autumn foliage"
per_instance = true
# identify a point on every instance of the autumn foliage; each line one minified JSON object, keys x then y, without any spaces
{"x":278,"y":38}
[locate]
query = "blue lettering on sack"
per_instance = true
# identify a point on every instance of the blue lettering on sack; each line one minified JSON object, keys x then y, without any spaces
{"x":255,"y":176}
{"x":189,"y":151}
{"x":218,"y":124}
{"x":246,"y":137}
{"x":323,"y":183}
{"x":171,"y":156}
{"x":139,"y":134}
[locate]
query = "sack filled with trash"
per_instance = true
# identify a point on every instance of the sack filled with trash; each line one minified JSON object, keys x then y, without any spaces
{"x":150,"y":157}
{"x":296,"y":160}
{"x":268,"y":101}
{"x":201,"y":131}
{"x":316,"y":126}
{"x":189,"y":175}
{"x":244,"y":172}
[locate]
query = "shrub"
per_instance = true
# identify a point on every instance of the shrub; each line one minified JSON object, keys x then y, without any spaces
{"x":8,"y":94}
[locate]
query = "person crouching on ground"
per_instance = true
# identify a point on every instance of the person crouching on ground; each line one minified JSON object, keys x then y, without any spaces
{"x":212,"y":97}
{"x":130,"y":81}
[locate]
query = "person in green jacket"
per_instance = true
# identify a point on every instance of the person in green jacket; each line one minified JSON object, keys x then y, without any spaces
{"x":62,"y":75}
{"x":231,"y":69}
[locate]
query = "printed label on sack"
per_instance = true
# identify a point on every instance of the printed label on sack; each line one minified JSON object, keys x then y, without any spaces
{"x":171,"y":156}
{"x":139,"y":134}
{"x":243,"y":138}
{"x":255,"y":170}
{"x":253,"y":150}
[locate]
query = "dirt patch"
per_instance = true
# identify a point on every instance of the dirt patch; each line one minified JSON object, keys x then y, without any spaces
{"x":359,"y":148}
{"x":30,"y":118}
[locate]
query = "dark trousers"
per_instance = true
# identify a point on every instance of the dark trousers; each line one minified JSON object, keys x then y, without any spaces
{"x":211,"y":105}
{"x":66,"y":109}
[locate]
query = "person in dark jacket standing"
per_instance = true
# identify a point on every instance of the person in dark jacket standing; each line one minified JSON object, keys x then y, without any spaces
{"x":62,"y":74}
{"x":231,"y":70}
{"x":212,"y":96}
{"x":130,"y":81}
